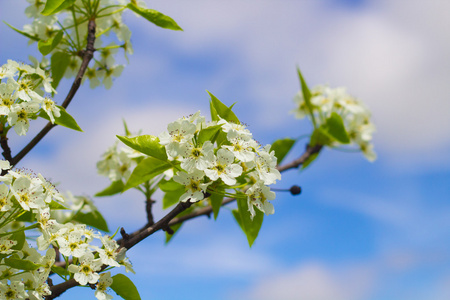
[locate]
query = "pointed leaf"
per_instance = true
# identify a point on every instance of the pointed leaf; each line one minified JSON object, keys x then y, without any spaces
{"x":320,"y":137}
{"x":124,"y":287}
{"x":147,"y":144}
{"x":146,"y":170}
{"x":175,"y":229}
{"x":170,"y":185}
{"x":59,"y":63}
{"x":172,"y":197}
{"x":116,"y":187}
{"x":282,"y":148}
{"x":60,"y":271}
{"x":93,"y":218}
{"x":54,"y":6}
{"x":306,"y":95}
{"x":19,"y":237}
{"x":222,"y":110}
{"x":45,"y":47}
{"x":216,"y":202}
{"x":34,"y":38}
{"x":336,"y":128}
{"x":56,"y":205}
{"x":155,"y":17}
{"x":64,"y":119}
{"x":209,"y":134}
{"x":21,"y":264}
{"x":250,"y":227}
{"x":310,"y":159}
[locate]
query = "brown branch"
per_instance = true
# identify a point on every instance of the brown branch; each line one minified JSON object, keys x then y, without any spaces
{"x":148,"y":208}
{"x":130,"y":240}
{"x":87,"y":56}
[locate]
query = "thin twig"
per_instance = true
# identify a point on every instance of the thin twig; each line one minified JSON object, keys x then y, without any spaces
{"x":87,"y":56}
{"x":170,"y":219}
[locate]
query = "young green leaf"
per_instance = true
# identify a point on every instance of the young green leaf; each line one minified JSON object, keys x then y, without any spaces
{"x":93,"y":218}
{"x":124,"y":287}
{"x":56,"y":205}
{"x":209,"y":134}
{"x":31,"y":37}
{"x":59,"y":63}
{"x":307,"y":96}
{"x":216,"y":202}
{"x":64,"y":119}
{"x":146,"y":170}
{"x":21,"y":264}
{"x":155,"y":17}
{"x":60,"y":271}
{"x":175,"y":229}
{"x":250,"y":227}
{"x":222,"y":110}
{"x":147,"y":144}
{"x":282,"y":148}
{"x":45,"y":47}
{"x":336,"y":129}
{"x":116,"y":187}
{"x":320,"y":137}
{"x":19,"y":237}
{"x":309,"y":160}
{"x":169,"y":185}
{"x":54,"y":6}
{"x":172,"y":197}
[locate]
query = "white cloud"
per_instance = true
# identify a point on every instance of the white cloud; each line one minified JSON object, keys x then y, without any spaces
{"x":314,"y":280}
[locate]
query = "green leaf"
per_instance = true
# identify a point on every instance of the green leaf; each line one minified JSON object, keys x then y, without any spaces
{"x":320,"y":137}
{"x":175,"y":229}
{"x":127,"y":132}
{"x":310,"y":159}
{"x":45,"y":47}
{"x":93,"y":218}
{"x":170,"y":185}
{"x":282,"y":148}
{"x":64,"y":119}
{"x":216,"y":202}
{"x":209,"y":134}
{"x":26,"y":217}
{"x":54,"y":6}
{"x":34,"y":38}
{"x":124,"y":287}
{"x":172,"y":197}
{"x":146,"y":170}
{"x":59,"y":63}
{"x":155,"y":17}
{"x":21,"y":264}
{"x":222,"y":110}
{"x":306,"y":95}
{"x":147,"y":144}
{"x":56,"y":205}
{"x":336,"y":129}
{"x":19,"y":237}
{"x":60,"y":271}
{"x":116,"y":187}
{"x":250,"y":227}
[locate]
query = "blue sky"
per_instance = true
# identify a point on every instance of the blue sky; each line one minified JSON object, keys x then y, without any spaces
{"x":360,"y":230}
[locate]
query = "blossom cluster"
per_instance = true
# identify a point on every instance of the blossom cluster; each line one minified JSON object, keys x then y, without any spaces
{"x":356,"y":116}
{"x":25,"y":194}
{"x":232,"y":160}
{"x":108,"y":18}
{"x":118,"y":163}
{"x":22,"y":90}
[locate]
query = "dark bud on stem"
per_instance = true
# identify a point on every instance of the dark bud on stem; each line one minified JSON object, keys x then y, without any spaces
{"x":295,"y":190}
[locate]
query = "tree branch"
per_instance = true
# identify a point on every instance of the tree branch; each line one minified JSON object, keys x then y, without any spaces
{"x":87,"y":56}
{"x":130,"y":240}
